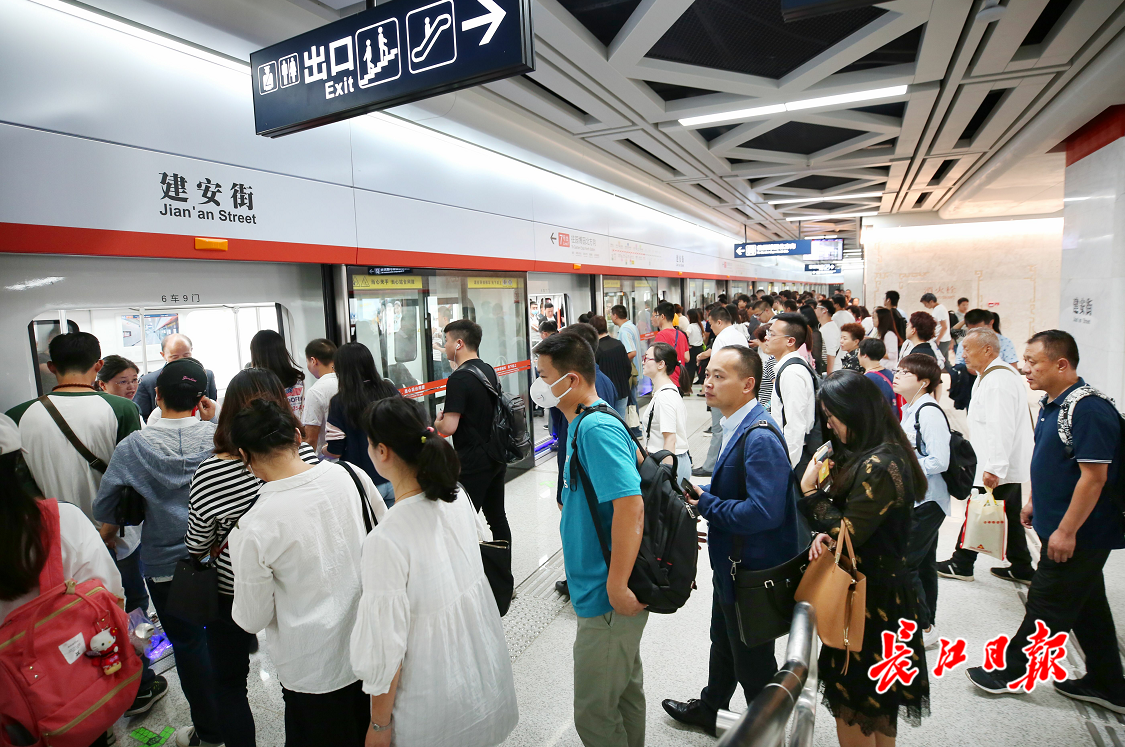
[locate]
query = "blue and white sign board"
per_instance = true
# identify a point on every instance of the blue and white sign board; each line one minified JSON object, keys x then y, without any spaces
{"x":824,"y":268}
{"x":389,"y":55}
{"x":773,"y":248}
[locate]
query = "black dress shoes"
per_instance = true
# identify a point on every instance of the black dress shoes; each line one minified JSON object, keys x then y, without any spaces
{"x":693,"y":713}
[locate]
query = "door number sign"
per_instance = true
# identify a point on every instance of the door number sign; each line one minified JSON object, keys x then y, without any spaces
{"x":387,"y":56}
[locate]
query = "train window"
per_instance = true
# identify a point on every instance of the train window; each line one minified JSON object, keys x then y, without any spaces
{"x":40,"y":332}
{"x":220,"y":335}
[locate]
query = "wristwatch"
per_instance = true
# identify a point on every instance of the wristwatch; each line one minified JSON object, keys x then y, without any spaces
{"x":376,"y":727}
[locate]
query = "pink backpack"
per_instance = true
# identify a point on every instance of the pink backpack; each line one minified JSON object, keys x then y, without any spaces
{"x":50,"y":689}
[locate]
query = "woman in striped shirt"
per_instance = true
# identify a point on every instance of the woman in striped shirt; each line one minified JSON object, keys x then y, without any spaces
{"x":222,"y":490}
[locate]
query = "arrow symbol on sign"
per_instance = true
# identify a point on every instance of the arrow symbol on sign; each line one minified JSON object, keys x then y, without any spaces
{"x":494,"y":16}
{"x":552,"y":238}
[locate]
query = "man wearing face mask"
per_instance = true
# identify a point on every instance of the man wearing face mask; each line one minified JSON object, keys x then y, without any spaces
{"x":468,"y":417}
{"x":609,"y":702}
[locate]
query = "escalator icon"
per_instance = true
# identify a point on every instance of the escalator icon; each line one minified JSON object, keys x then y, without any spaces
{"x":431,"y":36}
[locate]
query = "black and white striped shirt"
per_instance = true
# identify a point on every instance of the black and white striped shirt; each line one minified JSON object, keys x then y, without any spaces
{"x":221,"y":492}
{"x":765,"y":389}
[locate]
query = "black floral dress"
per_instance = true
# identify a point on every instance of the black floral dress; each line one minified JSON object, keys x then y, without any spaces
{"x":878,"y":509}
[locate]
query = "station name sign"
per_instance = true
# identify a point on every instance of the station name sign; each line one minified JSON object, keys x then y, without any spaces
{"x":389,"y":55}
{"x":773,"y":248}
{"x":824,"y":268}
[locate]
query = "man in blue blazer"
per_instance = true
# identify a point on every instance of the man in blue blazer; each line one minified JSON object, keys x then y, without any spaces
{"x":748,"y":498}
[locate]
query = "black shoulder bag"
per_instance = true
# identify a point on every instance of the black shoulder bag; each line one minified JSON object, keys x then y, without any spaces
{"x":763,"y":600}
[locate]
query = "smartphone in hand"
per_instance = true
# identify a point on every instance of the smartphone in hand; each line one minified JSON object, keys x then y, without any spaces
{"x":822,"y":455}
{"x":687,"y":488}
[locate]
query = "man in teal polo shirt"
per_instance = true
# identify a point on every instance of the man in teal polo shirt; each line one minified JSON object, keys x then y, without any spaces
{"x":1073,"y":478}
{"x":609,"y":699}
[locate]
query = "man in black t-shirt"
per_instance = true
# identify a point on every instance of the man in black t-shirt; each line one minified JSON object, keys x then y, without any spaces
{"x":467,"y":417}
{"x":611,"y":358}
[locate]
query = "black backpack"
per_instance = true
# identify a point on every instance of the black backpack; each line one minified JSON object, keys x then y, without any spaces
{"x":664,"y":572}
{"x":1066,"y":423}
{"x":962,"y":458}
{"x":509,"y":441}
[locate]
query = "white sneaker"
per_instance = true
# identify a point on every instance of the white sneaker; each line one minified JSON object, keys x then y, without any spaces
{"x":931,"y":637}
{"x":186,"y":737}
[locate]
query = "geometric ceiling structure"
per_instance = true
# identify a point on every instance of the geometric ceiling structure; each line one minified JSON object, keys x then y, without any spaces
{"x":629,"y":76}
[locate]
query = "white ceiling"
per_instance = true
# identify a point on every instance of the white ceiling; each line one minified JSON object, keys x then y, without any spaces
{"x":971,"y":87}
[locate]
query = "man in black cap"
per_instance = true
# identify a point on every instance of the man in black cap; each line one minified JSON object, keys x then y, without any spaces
{"x":159,"y":463}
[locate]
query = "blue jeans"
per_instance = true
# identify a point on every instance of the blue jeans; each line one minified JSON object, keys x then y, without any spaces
{"x":229,"y":647}
{"x":387,"y":491}
{"x":683,"y":467}
{"x":621,"y":405}
{"x":136,"y":597}
{"x":193,"y":663}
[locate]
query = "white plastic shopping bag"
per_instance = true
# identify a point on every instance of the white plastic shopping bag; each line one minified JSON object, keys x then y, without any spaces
{"x":632,"y":419}
{"x":986,"y":526}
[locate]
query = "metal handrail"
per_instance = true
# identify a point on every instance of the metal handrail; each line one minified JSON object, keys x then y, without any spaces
{"x":793,"y":690}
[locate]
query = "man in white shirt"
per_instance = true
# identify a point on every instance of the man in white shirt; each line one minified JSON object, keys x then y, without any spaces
{"x":829,"y":333}
{"x":1000,"y":431}
{"x":726,"y":333}
{"x":320,"y":355}
{"x":842,"y":316}
{"x":794,"y":393}
{"x":944,"y":335}
{"x":630,"y":337}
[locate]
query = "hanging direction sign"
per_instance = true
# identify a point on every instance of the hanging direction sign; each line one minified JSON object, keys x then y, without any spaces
{"x":392,"y":54}
{"x":772,"y":248}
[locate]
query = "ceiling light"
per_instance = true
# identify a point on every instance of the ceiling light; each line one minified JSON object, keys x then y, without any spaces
{"x":990,"y":10}
{"x":843,"y":98}
{"x":140,"y":32}
{"x":830,"y":216}
{"x":825,"y":198}
{"x":740,"y":114}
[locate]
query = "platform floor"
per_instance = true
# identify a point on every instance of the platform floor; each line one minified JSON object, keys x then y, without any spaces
{"x":540,"y":630}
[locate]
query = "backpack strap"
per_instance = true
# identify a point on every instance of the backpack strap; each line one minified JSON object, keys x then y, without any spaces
{"x":652,"y":411}
{"x":92,"y":459}
{"x":1066,"y":413}
{"x":484,"y":380}
{"x":52,"y":573}
{"x":369,"y":519}
{"x":777,"y":383}
{"x":918,"y":427}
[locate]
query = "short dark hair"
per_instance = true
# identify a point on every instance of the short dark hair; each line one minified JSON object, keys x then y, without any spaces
{"x":1057,"y":344}
{"x":550,"y":326}
{"x":790,"y":306}
{"x":547,"y":304}
{"x":619,"y":311}
{"x":467,"y":331}
{"x":74,"y":352}
{"x":568,"y":353}
{"x":664,"y":353}
{"x":597,"y":321}
{"x":585,"y":331}
{"x":840,"y":300}
{"x":924,"y":367}
{"x":742,"y":297}
{"x":928,"y":297}
{"x":924,"y":325}
{"x":827,"y":305}
{"x":962,"y":300}
{"x":854,"y":329}
{"x":872,"y":348}
{"x":892,"y":296}
{"x":322,"y":349}
{"x":974,"y":317}
{"x":749,"y":363}
{"x":796,"y":326}
{"x":666,"y":310}
{"x":720,"y":314}
{"x":114,"y":365}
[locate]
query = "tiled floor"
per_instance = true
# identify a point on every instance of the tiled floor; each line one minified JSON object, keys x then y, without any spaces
{"x":540,"y":630}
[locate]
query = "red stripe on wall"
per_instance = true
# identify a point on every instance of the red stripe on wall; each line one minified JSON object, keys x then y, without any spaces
{"x":24,"y":238}
{"x":1096,"y":134}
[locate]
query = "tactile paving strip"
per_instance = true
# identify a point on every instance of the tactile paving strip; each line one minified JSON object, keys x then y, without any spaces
{"x":535,"y":606}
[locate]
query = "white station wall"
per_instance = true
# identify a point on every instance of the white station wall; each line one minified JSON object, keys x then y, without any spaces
{"x":95,"y":116}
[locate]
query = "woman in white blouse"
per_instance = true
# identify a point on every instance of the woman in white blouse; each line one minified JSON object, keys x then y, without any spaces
{"x":295,"y":557}
{"x":427,"y":642}
{"x":885,"y":331}
{"x":664,"y":420}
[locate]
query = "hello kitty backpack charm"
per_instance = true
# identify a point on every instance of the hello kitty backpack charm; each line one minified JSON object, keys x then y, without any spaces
{"x":104,"y":646}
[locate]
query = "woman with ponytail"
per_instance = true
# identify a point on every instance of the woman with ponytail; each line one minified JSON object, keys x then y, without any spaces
{"x":295,"y":556}
{"x":427,"y":642}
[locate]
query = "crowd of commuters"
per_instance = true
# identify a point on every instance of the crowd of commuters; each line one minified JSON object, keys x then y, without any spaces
{"x":378,"y":614}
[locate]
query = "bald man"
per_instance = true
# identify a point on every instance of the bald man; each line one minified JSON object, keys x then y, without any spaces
{"x":173,"y":347}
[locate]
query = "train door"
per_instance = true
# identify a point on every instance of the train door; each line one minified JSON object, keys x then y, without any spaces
{"x":400,"y":313}
{"x":220,"y":334}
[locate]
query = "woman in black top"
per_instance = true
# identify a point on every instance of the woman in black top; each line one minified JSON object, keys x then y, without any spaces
{"x":359,"y":385}
{"x":874,"y":481}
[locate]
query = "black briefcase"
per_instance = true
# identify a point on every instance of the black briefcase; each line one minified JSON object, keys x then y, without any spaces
{"x":194,"y":594}
{"x":763,"y":600}
{"x":497,"y":559}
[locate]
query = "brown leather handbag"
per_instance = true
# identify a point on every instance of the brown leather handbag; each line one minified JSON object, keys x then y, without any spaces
{"x":838,"y":592}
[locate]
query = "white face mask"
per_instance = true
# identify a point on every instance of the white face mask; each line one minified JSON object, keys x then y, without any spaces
{"x":543,"y":394}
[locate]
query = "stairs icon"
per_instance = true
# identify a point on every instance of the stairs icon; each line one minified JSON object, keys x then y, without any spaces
{"x":373,"y":70}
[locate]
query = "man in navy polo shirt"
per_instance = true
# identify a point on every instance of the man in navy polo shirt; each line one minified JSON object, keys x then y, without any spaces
{"x":1073,"y":512}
